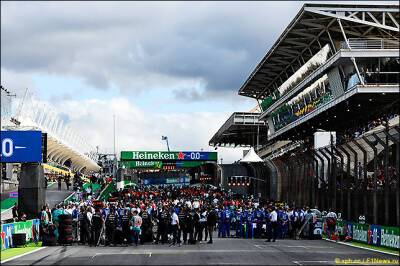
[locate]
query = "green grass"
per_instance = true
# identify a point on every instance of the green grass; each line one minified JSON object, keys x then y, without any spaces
{"x":363,"y":245}
{"x":12,"y":252}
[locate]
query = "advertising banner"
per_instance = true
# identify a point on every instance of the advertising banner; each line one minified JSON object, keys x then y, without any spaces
{"x":142,"y":164}
{"x":390,"y":237}
{"x":159,"y":164}
{"x":360,"y":232}
{"x":168,"y":156}
{"x":30,"y":228}
{"x":374,"y":235}
{"x":21,"y":146}
{"x":6,"y":235}
{"x":349,"y":228}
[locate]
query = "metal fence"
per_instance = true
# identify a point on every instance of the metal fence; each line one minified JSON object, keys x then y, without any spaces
{"x":357,"y":43}
{"x":360,"y":177}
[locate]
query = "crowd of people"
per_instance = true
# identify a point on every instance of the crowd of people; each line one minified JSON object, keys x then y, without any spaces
{"x":179,"y":215}
{"x":355,"y":132}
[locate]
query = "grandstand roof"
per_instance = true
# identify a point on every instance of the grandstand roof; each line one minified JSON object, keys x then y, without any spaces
{"x":240,"y":130}
{"x":314,"y":26}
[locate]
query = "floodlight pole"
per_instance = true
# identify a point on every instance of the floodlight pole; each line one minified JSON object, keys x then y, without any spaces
{"x":166,"y":139}
{"x":167,"y":144}
{"x":115,"y":155}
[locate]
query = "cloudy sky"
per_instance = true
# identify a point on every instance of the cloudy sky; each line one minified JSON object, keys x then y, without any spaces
{"x":169,"y":68}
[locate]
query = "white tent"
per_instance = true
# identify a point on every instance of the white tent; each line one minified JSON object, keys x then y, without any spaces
{"x":251,"y":157}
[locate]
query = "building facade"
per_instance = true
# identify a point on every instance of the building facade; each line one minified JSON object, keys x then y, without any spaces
{"x":335,"y":68}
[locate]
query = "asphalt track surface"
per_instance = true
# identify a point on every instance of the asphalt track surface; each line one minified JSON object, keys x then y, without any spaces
{"x":55,"y":196}
{"x":222,"y":252}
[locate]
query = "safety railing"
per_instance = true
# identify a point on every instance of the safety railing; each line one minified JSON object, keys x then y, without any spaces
{"x":356,"y":43}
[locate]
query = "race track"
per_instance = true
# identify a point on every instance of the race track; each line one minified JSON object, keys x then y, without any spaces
{"x":222,"y":252}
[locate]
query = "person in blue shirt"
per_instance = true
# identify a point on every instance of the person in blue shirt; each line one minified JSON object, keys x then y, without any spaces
{"x":120,"y":213}
{"x":298,"y":214}
{"x":249,"y":224}
{"x":244,"y":219}
{"x":75,"y":214}
{"x":104,"y":212}
{"x":227,"y":223}
{"x":283,"y":219}
{"x":233,"y":220}
{"x":238,"y":224}
{"x":259,"y":219}
{"x":267,"y":222}
{"x":220,"y":222}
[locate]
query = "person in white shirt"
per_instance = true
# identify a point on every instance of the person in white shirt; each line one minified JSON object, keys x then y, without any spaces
{"x":89,"y":214}
{"x":175,"y":226}
{"x":196,"y":204}
{"x":69,"y":210}
{"x":273,"y":217}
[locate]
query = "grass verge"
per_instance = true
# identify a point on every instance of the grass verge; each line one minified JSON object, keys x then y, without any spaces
{"x":363,"y":245}
{"x":12,"y":252}
{"x":356,"y":244}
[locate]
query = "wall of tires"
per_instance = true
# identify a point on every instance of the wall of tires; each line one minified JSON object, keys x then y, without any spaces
{"x":65,"y":236}
{"x":30,"y":228}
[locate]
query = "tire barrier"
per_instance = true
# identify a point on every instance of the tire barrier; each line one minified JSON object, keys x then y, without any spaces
{"x":19,"y":239}
{"x":65,"y":230}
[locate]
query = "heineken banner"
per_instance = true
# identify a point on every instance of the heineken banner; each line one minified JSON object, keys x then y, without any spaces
{"x":142,"y":164}
{"x":168,"y":156}
{"x":159,"y":164}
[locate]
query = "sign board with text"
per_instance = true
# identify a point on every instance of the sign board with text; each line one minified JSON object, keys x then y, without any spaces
{"x":21,"y":146}
{"x":159,"y":164}
{"x":168,"y":156}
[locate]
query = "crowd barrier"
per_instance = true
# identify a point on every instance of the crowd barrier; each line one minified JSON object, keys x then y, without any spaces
{"x":371,"y":234}
{"x":30,"y":228}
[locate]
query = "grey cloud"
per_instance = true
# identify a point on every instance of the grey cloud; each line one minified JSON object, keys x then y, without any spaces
{"x":139,"y":45}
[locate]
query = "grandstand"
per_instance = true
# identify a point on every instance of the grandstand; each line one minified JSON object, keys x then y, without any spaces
{"x":66,"y":150}
{"x":335,"y":68}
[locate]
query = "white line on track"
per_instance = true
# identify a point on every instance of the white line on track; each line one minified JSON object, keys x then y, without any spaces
{"x":283,"y":246}
{"x":307,"y":262}
{"x":19,"y":256}
{"x":370,"y":249}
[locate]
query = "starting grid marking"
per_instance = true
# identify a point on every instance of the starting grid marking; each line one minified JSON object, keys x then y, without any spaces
{"x":178,"y":252}
{"x":283,"y":246}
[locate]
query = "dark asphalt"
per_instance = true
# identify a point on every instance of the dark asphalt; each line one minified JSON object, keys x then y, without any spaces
{"x":55,"y":196}
{"x":222,"y":252}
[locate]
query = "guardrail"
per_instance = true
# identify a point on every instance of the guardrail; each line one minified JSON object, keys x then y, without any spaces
{"x":355,"y":43}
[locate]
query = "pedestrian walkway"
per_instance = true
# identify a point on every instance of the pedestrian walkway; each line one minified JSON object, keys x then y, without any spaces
{"x":55,"y":196}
